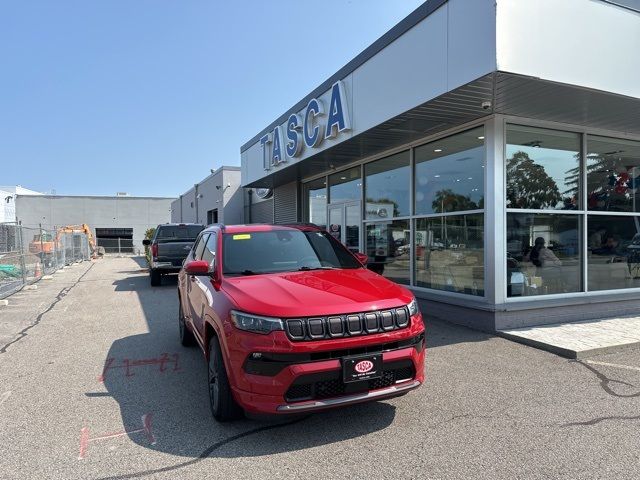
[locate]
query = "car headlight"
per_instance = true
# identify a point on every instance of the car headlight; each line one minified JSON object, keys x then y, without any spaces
{"x":255,"y":323}
{"x":413,"y":307}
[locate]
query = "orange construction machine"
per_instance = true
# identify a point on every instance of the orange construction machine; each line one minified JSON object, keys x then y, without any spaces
{"x":44,"y":244}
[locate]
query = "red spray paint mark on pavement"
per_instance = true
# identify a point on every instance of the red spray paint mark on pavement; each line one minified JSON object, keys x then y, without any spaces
{"x":107,"y":365}
{"x":164,"y":361}
{"x":85,"y":438}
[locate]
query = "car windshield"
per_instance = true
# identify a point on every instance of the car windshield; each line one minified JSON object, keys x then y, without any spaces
{"x":274,"y":251}
{"x":179,"y":232}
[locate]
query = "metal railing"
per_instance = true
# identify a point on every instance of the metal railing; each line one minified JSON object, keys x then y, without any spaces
{"x":27,"y":253}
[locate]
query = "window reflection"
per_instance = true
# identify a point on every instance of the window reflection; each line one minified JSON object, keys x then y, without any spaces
{"x":543,"y":254}
{"x":316,"y":195}
{"x":449,"y":174}
{"x":543,"y":168}
{"x":388,"y":249}
{"x":387,"y":187}
{"x":345,"y":186}
{"x":613,"y":258}
{"x":450,"y":253}
{"x":613,"y":174}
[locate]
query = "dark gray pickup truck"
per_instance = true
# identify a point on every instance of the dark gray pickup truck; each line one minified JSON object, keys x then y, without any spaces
{"x":169,"y":247}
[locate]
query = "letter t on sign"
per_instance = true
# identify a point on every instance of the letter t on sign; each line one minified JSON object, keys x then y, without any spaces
{"x":266,"y":154}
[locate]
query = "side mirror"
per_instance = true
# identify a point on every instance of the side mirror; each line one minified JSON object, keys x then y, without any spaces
{"x":146,"y":242}
{"x":213,"y":268}
{"x":197,"y":267}
{"x":363,"y":258}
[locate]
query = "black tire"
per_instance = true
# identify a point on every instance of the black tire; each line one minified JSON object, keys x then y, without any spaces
{"x":223,"y":406}
{"x":156,"y":278}
{"x":186,"y":336}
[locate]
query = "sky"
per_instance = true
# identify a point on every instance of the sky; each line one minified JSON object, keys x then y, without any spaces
{"x":146,"y":96}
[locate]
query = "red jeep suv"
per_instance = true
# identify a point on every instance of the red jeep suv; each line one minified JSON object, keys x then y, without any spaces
{"x":290,"y":321}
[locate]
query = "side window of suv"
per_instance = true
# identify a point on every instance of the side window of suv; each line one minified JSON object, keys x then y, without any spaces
{"x":199,"y":247}
{"x":210,"y":248}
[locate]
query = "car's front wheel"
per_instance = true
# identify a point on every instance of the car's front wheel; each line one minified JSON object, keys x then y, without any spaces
{"x":223,"y":406}
{"x":186,"y":336}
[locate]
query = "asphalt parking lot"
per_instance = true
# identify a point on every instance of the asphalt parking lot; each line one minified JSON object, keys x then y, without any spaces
{"x":95,"y":384}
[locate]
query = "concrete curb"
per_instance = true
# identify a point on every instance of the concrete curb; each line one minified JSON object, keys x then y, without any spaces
{"x":566,"y":352}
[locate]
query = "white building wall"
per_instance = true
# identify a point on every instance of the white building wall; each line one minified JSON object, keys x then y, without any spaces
{"x":175,"y":210}
{"x":139,"y":213}
{"x":233,"y":211}
{"x":189,"y":206}
{"x":19,"y":190}
{"x":211,"y":191}
{"x":220,"y":190}
{"x":589,"y":43}
{"x":7,"y":206}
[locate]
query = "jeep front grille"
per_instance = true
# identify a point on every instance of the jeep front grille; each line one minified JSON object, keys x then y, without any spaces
{"x":353,"y":324}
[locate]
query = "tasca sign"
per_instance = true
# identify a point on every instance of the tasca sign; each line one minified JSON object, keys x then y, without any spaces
{"x":307,"y":130}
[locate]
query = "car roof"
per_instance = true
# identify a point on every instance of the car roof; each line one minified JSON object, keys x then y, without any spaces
{"x":181,"y":224}
{"x":263,"y":227}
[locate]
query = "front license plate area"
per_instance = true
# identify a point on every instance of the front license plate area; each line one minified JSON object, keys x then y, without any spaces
{"x":362,"y":367}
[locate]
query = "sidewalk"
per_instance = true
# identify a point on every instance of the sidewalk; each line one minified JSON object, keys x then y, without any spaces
{"x":580,"y":339}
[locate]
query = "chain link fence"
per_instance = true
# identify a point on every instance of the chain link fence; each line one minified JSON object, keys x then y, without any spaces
{"x":28,"y":253}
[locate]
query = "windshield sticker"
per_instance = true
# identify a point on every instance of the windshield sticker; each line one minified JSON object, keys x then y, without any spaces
{"x":243,"y":236}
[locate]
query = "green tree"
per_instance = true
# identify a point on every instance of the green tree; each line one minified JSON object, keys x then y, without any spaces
{"x":528,"y":185}
{"x":148,"y":235}
{"x":449,"y":201}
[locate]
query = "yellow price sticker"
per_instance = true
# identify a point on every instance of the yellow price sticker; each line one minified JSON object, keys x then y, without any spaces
{"x":242,"y":236}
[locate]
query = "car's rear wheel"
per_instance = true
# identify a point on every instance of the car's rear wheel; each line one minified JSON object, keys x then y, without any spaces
{"x":156,"y":278}
{"x":223,"y":406}
{"x":186,"y":336}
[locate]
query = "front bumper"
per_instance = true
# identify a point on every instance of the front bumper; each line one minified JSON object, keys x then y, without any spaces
{"x":319,"y":377}
{"x":380,"y":394}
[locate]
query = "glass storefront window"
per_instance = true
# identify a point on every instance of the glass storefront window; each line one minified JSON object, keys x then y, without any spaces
{"x":449,"y":174}
{"x":316,"y":198}
{"x":543,"y":254}
{"x":388,"y":249}
{"x":613,"y":174}
{"x":387,"y":187}
{"x":345,"y":186}
{"x":449,"y":253}
{"x":543,"y":169}
{"x":613,"y":258}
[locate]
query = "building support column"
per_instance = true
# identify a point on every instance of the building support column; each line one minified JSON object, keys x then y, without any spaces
{"x":495,"y":217}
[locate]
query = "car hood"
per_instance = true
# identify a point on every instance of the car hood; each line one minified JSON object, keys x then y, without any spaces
{"x":316,"y":292}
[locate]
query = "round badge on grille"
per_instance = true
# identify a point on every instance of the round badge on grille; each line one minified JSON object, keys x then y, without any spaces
{"x":364,"y":366}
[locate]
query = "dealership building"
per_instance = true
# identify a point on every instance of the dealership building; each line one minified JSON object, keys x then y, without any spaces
{"x":485,"y":153}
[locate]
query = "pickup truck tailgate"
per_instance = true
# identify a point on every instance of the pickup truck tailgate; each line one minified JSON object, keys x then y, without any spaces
{"x":175,"y":241}
{"x":174,"y":251}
